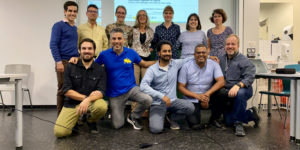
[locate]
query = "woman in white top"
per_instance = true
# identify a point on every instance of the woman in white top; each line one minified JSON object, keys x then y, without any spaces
{"x":192,"y":37}
{"x":142,"y":37}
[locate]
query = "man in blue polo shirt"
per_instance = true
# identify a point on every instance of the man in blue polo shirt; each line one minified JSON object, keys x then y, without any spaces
{"x":199,"y":81}
{"x":63,"y":45}
{"x":121,"y":85}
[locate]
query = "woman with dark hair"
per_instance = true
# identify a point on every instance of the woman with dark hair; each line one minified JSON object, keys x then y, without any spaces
{"x":142,"y":37}
{"x":217,"y":35}
{"x":192,"y":37}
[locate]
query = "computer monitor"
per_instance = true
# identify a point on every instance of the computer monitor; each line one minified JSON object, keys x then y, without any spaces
{"x":261,"y":67}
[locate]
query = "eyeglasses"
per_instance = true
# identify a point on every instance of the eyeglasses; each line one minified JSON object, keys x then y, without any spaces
{"x":121,"y":13}
{"x":143,"y":15}
{"x":92,"y":11}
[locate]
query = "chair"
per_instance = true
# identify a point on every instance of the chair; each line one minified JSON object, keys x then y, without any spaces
{"x":17,"y":69}
{"x":284,"y":93}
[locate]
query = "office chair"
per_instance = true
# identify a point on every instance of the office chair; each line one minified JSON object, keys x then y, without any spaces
{"x":17,"y":69}
{"x":284,"y":93}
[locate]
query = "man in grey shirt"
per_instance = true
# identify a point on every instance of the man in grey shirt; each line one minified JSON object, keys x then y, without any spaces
{"x":239,"y":73}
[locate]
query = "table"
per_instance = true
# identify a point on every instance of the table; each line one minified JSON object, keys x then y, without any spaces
{"x":295,"y":100}
{"x":17,"y":80}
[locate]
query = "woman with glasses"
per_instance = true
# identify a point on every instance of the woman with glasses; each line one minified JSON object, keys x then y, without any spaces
{"x":121,"y":15}
{"x":142,"y":37}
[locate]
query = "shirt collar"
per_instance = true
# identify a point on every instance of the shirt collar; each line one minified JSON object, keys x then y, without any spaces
{"x":170,"y":64}
{"x":90,"y":25}
{"x":67,"y":21}
{"x":124,"y":51}
{"x":80,"y":64}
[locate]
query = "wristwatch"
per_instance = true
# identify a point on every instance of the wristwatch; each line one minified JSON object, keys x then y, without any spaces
{"x":239,"y":85}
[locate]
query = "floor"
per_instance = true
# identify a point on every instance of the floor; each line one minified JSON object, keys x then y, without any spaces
{"x":39,"y":135}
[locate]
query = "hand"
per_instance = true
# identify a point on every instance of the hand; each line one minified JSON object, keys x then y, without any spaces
{"x":59,"y":66}
{"x":73,"y":60}
{"x":167,"y":100}
{"x":233,"y":91}
{"x":95,"y":93}
{"x":215,"y":58}
{"x":83,"y":106}
{"x":202,"y":98}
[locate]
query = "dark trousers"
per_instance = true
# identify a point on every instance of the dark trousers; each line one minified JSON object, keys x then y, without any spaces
{"x":216,"y":104}
{"x":236,"y":109}
{"x":60,"y":81}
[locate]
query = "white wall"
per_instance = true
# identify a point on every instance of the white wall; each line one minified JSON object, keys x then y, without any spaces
{"x":279,"y":15}
{"x":25,"y":30}
{"x":25,"y":34}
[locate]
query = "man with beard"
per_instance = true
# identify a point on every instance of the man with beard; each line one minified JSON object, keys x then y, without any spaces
{"x":160,"y":83}
{"x":239,"y":73}
{"x":84,"y":87}
{"x":199,"y":81}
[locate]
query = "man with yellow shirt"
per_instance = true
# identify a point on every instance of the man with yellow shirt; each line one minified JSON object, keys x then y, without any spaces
{"x":92,"y":30}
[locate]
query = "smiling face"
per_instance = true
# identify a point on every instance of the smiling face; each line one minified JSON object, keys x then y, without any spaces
{"x":193,"y":22}
{"x":142,"y":17}
{"x":120,"y":14}
{"x":200,"y":55}
{"x":165,"y":53}
{"x":71,"y":13}
{"x":92,"y":14}
{"x":117,"y":41}
{"x":232,"y":46}
{"x":87,"y":51}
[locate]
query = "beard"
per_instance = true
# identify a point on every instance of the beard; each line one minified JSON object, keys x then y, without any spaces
{"x":87,"y":59}
{"x":166,"y":58}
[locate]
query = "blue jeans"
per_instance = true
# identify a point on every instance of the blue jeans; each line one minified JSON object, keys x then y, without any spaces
{"x":238,"y":113}
{"x":178,"y":110}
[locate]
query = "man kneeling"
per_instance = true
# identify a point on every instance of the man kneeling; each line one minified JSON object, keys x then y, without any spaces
{"x":84,"y":87}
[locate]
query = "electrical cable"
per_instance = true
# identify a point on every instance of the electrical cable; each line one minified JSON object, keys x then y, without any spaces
{"x":252,"y":101}
{"x":141,"y":145}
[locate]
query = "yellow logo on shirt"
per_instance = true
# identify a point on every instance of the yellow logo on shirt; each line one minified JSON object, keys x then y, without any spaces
{"x":127,"y":61}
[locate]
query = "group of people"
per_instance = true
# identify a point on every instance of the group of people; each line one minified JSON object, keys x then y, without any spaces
{"x":124,"y":70}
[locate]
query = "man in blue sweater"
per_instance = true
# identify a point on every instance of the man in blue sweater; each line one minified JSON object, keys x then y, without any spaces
{"x":63,"y":45}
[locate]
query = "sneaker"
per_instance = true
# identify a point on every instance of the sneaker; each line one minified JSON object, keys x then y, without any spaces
{"x":255,"y":116}
{"x":239,"y":130}
{"x":93,"y":127}
{"x":136,"y":123}
{"x":75,"y":129}
{"x":173,"y":124}
{"x":216,"y":123}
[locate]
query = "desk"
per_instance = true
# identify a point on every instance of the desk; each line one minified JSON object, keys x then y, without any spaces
{"x":295,"y":100}
{"x":17,"y":80}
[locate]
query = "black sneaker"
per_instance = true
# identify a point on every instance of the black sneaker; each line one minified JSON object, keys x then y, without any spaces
{"x":93,"y":127}
{"x":216,"y":123}
{"x":136,"y":123}
{"x":173,"y":125}
{"x":255,"y":116}
{"x":239,"y":130}
{"x":75,"y":130}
